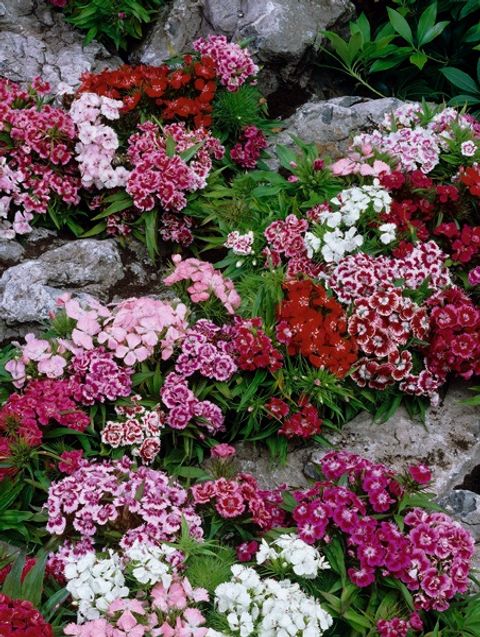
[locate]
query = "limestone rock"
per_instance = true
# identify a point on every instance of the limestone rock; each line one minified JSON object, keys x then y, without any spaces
{"x":28,"y":291}
{"x":331,"y":123}
{"x":35,"y":40}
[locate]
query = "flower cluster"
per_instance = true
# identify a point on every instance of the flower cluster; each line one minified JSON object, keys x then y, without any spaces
{"x":247,"y":150}
{"x":303,"y":423}
{"x":431,"y":556}
{"x":288,"y":238}
{"x":234,"y":65}
{"x":169,"y":163}
{"x":233,"y":498}
{"x":206,"y":280}
{"x":361,"y":275}
{"x":266,"y":607}
{"x":19,"y":618}
{"x":140,"y":429}
{"x":382,"y":324}
{"x":240,"y":244}
{"x":251,"y":348}
{"x":97,"y":145}
{"x":311,"y":324}
{"x":289,"y":551}
{"x":141,"y":503}
{"x":183,"y":93}
{"x":37,"y":164}
{"x":176,"y":228}
{"x":98,"y":377}
{"x":454,"y":345}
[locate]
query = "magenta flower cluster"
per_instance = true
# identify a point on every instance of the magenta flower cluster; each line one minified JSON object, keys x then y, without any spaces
{"x":162,"y":171}
{"x":431,"y":555}
{"x":247,"y":150}
{"x":99,"y":377}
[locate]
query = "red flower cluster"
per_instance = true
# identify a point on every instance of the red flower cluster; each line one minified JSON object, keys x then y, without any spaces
{"x":19,"y":618}
{"x":247,"y":151}
{"x":184,"y":93}
{"x":233,"y":498}
{"x":464,"y":241}
{"x":304,"y":423}
{"x":455,"y":339}
{"x":251,"y":348}
{"x":471,"y":178}
{"x":381,"y":324}
{"x":315,"y":326}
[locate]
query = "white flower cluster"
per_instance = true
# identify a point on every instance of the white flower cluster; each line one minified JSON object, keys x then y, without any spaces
{"x":94,"y":583}
{"x":151,"y":564}
{"x":267,"y":608}
{"x":290,"y":551}
{"x":342,"y":236}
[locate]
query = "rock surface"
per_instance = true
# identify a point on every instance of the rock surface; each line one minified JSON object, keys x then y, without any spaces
{"x":28,"y":291}
{"x":35,"y":40}
{"x":331,"y":123}
{"x":465,"y":507}
{"x":280,"y":32}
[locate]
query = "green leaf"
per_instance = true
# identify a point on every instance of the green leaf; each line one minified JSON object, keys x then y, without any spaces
{"x":461,"y":100}
{"x":400,"y":25}
{"x":418,"y":59}
{"x":151,"y":240}
{"x":116,"y":206}
{"x":460,"y":79}
{"x":188,"y":153}
{"x":473,"y":34}
{"x":434,"y":32}
{"x":170,"y":146}
{"x":426,"y":22}
{"x":12,"y":585}
{"x":32,"y":586}
{"x":97,"y":229}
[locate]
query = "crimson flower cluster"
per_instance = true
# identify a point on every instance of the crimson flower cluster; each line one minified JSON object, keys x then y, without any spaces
{"x":251,"y":348}
{"x":382,"y":324}
{"x":247,"y":150}
{"x":454,"y":345}
{"x":19,"y":618}
{"x":315,"y":326}
{"x":41,"y":403}
{"x":431,"y":555}
{"x":233,"y":498}
{"x":286,"y":239}
{"x":185,"y":93}
{"x":304,"y":423}
{"x":36,"y":156}
{"x":464,"y":242}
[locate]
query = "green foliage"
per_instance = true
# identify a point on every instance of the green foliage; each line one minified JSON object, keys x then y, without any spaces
{"x":209,"y":571}
{"x":419,"y":49}
{"x":113,"y":21}
{"x":233,"y":110}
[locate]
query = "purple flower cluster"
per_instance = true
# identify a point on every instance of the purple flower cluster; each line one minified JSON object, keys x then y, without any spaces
{"x":99,"y":377}
{"x":141,"y":504}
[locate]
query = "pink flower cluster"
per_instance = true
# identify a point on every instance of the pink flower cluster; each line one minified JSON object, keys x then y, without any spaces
{"x":382,"y":324}
{"x":360,"y":275}
{"x":168,"y":612}
{"x":431,"y":556}
{"x":455,"y":335}
{"x":99,"y":377}
{"x":185,"y":408}
{"x":234,"y":65}
{"x":38,"y":166}
{"x":36,"y":353}
{"x":247,"y":150}
{"x":97,"y":145}
{"x":141,"y":504}
{"x":240,"y":244}
{"x":140,"y":429}
{"x":233,"y":498}
{"x":205,"y":350}
{"x":206,"y":280}
{"x":168,"y":163}
{"x":287,"y":238}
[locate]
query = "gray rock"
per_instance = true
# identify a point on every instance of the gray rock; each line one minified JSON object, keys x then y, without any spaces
{"x":449,"y":441}
{"x":35,"y":40}
{"x":280,"y":31}
{"x":465,"y":507}
{"x":11,"y":252}
{"x":331,"y":123}
{"x":269,"y":472}
{"x":28,"y":291}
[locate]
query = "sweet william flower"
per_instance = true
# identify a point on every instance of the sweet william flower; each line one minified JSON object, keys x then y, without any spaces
{"x":420,"y":473}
